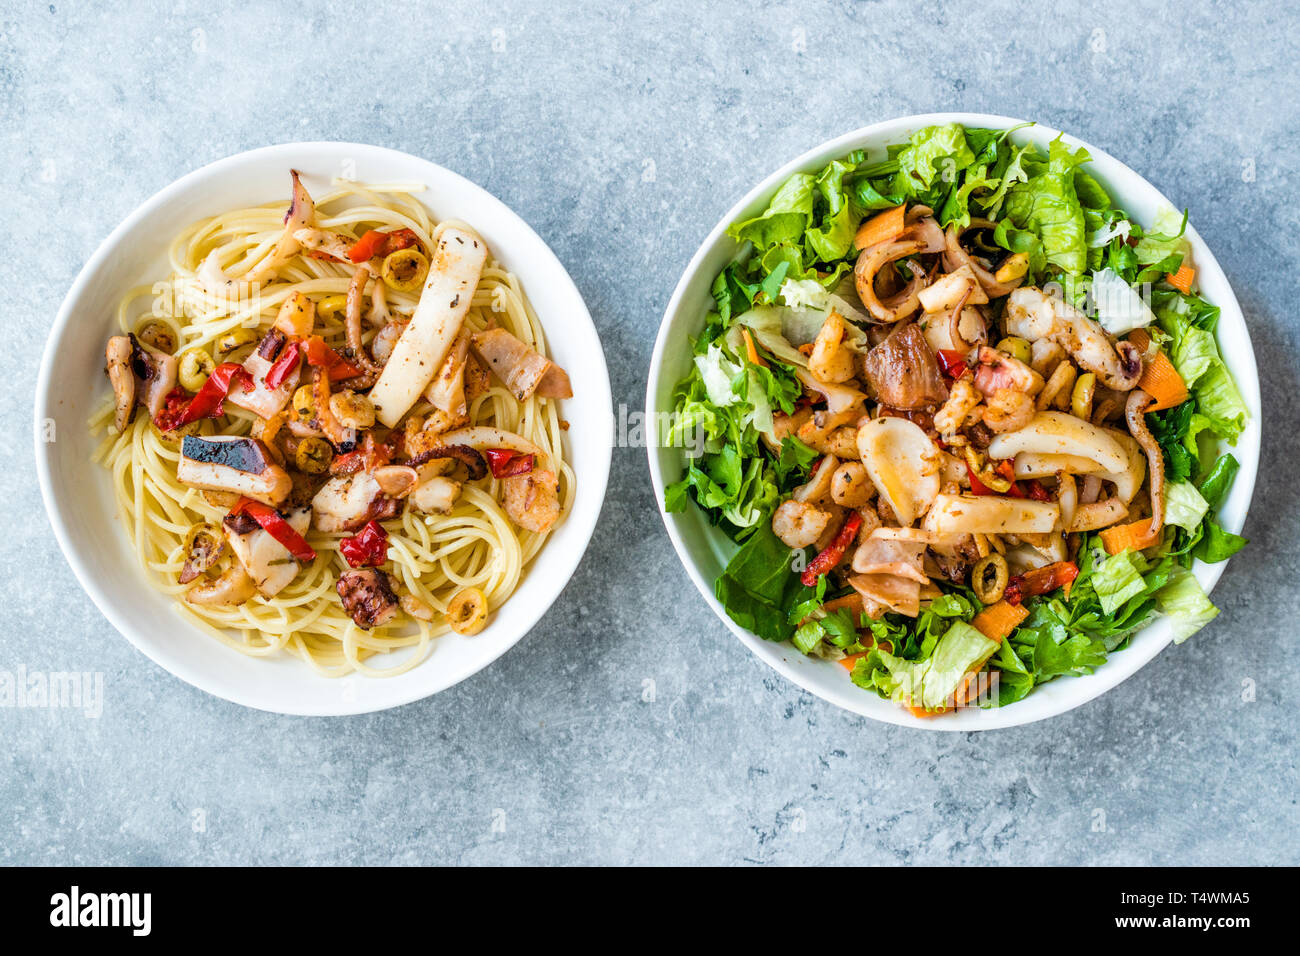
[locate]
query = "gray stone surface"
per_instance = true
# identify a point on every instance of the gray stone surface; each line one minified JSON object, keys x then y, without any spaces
{"x":560,"y":109}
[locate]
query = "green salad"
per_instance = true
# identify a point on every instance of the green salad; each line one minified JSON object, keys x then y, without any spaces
{"x":962,"y":416}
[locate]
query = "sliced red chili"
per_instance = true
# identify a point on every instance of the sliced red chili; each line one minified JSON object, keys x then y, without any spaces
{"x":1042,"y":580}
{"x":1037,"y":491}
{"x":977,"y":487}
{"x":833,"y":552}
{"x":274,"y":524}
{"x":507,"y":463}
{"x":1004,"y":469}
{"x":321,"y":355}
{"x":283,"y":366}
{"x":375,"y":243}
{"x":367,"y":246}
{"x":169,"y":416}
{"x":952,"y":363}
{"x":369,"y":456}
{"x":368,"y":548}
{"x":209,"y":402}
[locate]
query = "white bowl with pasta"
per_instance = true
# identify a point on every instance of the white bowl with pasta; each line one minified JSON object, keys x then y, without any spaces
{"x":99,"y":542}
{"x":704,"y":550}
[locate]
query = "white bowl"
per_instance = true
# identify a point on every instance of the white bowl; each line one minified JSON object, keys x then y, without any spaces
{"x":79,"y":498}
{"x":704,"y":550}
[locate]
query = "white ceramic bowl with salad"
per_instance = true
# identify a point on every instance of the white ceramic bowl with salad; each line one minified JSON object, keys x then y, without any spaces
{"x":1090,"y":584}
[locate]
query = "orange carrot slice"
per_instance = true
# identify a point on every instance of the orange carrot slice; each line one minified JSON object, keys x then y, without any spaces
{"x":998,"y":620}
{"x":1159,"y":379}
{"x":1182,"y":279}
{"x":881,"y":227}
{"x":1135,"y":536}
{"x":751,"y":349}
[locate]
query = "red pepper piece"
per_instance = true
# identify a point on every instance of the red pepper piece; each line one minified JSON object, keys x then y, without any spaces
{"x":952,"y":363}
{"x":977,"y":487}
{"x":375,"y":243}
{"x":348,"y":464}
{"x":1038,"y":492}
{"x":368,"y":548}
{"x":366,"y":458}
{"x":283,"y":366}
{"x":210,"y":400}
{"x":1040,"y":581}
{"x":367,"y":246}
{"x":322,"y":356}
{"x":834,"y":551}
{"x":274,"y":524}
{"x":507,"y":463}
{"x":169,"y":416}
{"x":1006,"y":469}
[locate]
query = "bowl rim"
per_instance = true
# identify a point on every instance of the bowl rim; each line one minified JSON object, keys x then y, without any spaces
{"x":1119,"y":666}
{"x":562,"y":564}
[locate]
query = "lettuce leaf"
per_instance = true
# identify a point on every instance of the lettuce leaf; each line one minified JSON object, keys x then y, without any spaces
{"x":1218,"y":479}
{"x":1012,"y":171}
{"x":933,"y":153}
{"x":1119,"y":308}
{"x":1185,"y":603}
{"x":1184,"y":506}
{"x":1216,"y":544}
{"x":717,"y":372}
{"x":757,"y":588}
{"x":1165,"y":242}
{"x":1195,"y":355}
{"x":811,"y":219}
{"x":785,"y":218}
{"x":731,"y":402}
{"x":1116,"y":580}
{"x":832,"y":237}
{"x":1047,"y":205}
{"x":1220,"y":401}
{"x":932,"y":681}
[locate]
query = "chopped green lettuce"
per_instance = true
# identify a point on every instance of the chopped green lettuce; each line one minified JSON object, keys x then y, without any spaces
{"x":1165,"y":241}
{"x":757,"y":589}
{"x":1218,"y":479}
{"x":1195,"y":355}
{"x":1184,"y":602}
{"x":1184,"y":506}
{"x":931,"y":682}
{"x":1047,"y":206}
{"x":1116,"y":580}
{"x":936,"y":152}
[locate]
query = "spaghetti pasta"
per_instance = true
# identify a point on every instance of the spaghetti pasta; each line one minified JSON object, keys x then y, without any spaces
{"x":430,"y":556}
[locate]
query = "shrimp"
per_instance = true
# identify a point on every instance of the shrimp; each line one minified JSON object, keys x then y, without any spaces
{"x":831,"y":361}
{"x":842,"y":441}
{"x":799,"y":524}
{"x":1008,"y":411}
{"x":962,"y":400}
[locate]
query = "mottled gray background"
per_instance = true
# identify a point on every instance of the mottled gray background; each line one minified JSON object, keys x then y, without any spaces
{"x":621,"y":136}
